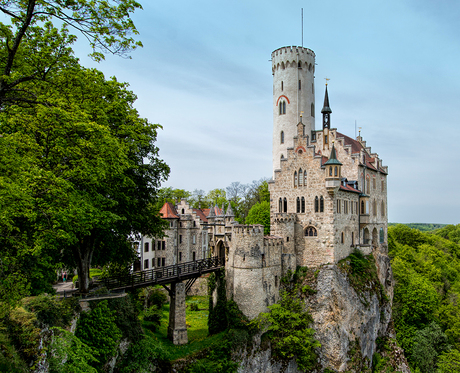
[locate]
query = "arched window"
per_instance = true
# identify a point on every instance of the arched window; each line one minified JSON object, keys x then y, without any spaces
{"x":382,"y":235}
{"x":316,"y":204}
{"x":298,"y":205}
{"x":311,"y":232}
{"x":282,"y":137}
{"x":363,"y":211}
{"x":284,"y":107}
{"x":305,"y":178}
{"x":282,"y":156}
{"x":295,"y":179}
{"x":300,"y":177}
{"x":285,"y":204}
{"x":280,"y":205}
{"x":321,"y":204}
{"x":374,"y":208}
{"x":183,"y":211}
{"x":281,"y":107}
{"x":303,"y":205}
{"x":335,"y":171}
{"x":330,"y":170}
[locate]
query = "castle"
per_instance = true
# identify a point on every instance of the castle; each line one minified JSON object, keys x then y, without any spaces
{"x":328,"y":196}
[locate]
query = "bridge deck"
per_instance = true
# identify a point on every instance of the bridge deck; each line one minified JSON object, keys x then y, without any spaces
{"x":164,"y":275}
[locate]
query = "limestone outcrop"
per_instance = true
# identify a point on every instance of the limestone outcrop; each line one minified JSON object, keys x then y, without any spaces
{"x":350,"y":319}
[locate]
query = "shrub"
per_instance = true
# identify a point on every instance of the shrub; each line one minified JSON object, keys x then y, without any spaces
{"x":98,"y":330}
{"x":153,"y":315}
{"x":287,"y":327}
{"x":52,"y":311}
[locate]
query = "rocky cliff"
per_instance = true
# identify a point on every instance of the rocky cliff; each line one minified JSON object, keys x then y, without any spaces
{"x":350,"y":303}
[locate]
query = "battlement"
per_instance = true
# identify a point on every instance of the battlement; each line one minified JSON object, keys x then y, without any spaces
{"x":249,"y":230}
{"x":298,"y":57}
{"x":273,"y":241}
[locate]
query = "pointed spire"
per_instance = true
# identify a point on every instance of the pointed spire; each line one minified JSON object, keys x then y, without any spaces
{"x":229,"y":210}
{"x":211,"y":212}
{"x":333,"y":158}
{"x":326,"y":108}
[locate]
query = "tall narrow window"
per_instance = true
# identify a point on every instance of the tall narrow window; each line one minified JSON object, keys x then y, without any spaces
{"x":305,"y":178}
{"x":352,"y":238}
{"x":374,"y":208}
{"x":298,"y":205}
{"x":363,"y":211}
{"x":300,"y":177}
{"x":282,"y":137}
{"x":295,"y":179}
{"x":163,"y":245}
{"x":146,"y":247}
{"x":280,"y":205}
{"x":300,"y":85}
{"x":284,"y":107}
{"x":382,"y":208}
{"x":146,"y":264}
{"x":303,"y":204}
{"x":321,"y":204}
{"x":368,"y":186}
{"x":194,"y":239}
{"x":342,"y":238}
{"x":374,"y":186}
{"x":193,"y":256}
{"x":312,"y":109}
{"x":285,"y":204}
{"x":180,"y":238}
{"x":159,"y":245}
{"x":180,"y":256}
{"x":316,"y":204}
{"x":335,"y":171}
{"x":282,"y":85}
{"x":158,"y":262}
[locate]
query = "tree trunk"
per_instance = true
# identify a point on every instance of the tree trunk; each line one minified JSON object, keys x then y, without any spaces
{"x":83,"y":256}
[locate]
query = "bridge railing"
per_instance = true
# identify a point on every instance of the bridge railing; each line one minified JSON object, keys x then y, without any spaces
{"x":163,"y":274}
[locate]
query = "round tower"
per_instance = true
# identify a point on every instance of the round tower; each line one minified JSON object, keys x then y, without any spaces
{"x":293,"y":71}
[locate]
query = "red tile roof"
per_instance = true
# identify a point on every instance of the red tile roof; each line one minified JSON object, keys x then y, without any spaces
{"x":348,"y":188}
{"x":201,"y":215}
{"x":168,"y":211}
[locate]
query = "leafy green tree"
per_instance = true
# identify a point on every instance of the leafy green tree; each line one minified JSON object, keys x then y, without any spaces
{"x":428,"y":344}
{"x":98,"y":330}
{"x":260,"y":214}
{"x":172,"y":195}
{"x":87,"y":187}
{"x":287,"y":328}
{"x":33,"y":49}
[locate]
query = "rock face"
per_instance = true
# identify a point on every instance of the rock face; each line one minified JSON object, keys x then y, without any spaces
{"x":347,"y":321}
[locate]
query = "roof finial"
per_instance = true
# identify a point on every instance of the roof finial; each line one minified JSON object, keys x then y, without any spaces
{"x":327,"y":80}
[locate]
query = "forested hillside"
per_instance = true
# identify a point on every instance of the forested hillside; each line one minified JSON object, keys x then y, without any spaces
{"x":426,"y":307}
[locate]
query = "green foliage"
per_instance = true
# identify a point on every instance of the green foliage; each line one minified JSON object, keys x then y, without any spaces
{"x":449,"y":362}
{"x":52,"y":311}
{"x":217,"y":320}
{"x":99,"y":331}
{"x":362,"y":275}
{"x":287,"y":327}
{"x":426,"y":268}
{"x":194,"y":307}
{"x":260,"y":214}
{"x":126,"y":317}
{"x":218,"y":360}
{"x":428,"y":343}
{"x":67,"y":354}
{"x":10,"y":361}
{"x":153,"y":314}
{"x":423,"y":227}
{"x":25,"y":334}
{"x":143,"y":355}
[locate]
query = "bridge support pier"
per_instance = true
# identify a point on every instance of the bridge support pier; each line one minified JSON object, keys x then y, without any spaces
{"x":177,"y":329}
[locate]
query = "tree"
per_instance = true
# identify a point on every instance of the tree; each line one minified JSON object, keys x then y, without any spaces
{"x":91,"y":177}
{"x":34,"y":50}
{"x":260,"y":214}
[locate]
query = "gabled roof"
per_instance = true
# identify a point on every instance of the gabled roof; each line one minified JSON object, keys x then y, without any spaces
{"x":217,"y":211}
{"x":355,"y":144}
{"x":348,"y":188}
{"x":168,"y":211}
{"x":200,"y":214}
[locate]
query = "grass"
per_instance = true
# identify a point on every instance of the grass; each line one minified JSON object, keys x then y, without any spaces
{"x":197,"y":329}
{"x":92,"y":272}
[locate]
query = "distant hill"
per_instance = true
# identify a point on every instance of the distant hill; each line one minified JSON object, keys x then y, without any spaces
{"x":423,"y":227}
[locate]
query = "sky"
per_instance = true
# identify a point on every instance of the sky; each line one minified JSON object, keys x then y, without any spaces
{"x":204,"y":74}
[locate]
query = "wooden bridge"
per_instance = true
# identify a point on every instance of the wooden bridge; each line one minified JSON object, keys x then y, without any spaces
{"x":165,"y":275}
{"x":174,"y":275}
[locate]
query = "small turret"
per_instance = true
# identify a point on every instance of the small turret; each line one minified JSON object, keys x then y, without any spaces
{"x":333,"y":172}
{"x":326,"y":111}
